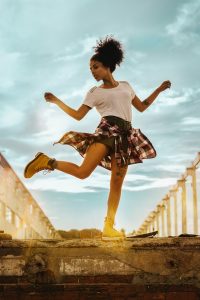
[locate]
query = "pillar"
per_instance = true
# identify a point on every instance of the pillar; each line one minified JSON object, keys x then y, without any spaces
{"x":153,"y":214}
{"x":173,"y":193}
{"x":167,"y":201}
{"x":181,"y":183}
{"x":192,"y":172}
{"x":158,"y":212}
{"x":13,"y":218}
{"x":163,"y":219}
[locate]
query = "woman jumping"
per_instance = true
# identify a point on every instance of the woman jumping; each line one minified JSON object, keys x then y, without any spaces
{"x":115,"y":144}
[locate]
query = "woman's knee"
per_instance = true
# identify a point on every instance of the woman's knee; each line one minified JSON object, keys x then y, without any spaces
{"x":117,"y":177}
{"x":117,"y":180}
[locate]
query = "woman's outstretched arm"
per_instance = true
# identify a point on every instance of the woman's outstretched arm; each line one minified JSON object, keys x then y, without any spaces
{"x":143,"y":105}
{"x":76,"y":114}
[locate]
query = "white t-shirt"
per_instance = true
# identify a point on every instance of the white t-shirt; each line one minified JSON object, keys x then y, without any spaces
{"x":113,"y":101}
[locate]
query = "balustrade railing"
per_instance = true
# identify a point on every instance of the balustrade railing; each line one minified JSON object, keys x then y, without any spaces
{"x":20,"y":214}
{"x":172,"y":217}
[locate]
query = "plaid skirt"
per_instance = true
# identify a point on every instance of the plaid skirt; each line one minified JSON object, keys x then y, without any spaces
{"x":129,"y":145}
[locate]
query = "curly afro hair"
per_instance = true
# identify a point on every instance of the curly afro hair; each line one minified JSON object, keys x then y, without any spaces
{"x":109,"y":52}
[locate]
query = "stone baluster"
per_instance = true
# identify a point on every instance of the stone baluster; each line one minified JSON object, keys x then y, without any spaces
{"x":53,"y":234}
{"x":151,"y":221}
{"x":47,"y":229}
{"x":181,"y":183}
{"x":163,"y":219}
{"x":2,"y":213}
{"x":141,"y":230}
{"x":13,"y":222}
{"x":192,"y":172}
{"x":145,"y":229}
{"x":173,"y":193}
{"x":149,"y":225}
{"x":153,"y":215}
{"x":168,"y":207}
{"x":158,"y":213}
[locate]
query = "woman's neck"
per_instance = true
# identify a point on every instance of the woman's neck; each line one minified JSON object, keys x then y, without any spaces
{"x":109,"y":83}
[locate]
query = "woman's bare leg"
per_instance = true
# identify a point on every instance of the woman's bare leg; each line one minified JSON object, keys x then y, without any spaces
{"x":116,"y":181}
{"x":94,"y":155}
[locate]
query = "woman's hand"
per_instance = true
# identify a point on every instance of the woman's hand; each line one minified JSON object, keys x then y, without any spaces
{"x":165,"y":85}
{"x":49,"y":97}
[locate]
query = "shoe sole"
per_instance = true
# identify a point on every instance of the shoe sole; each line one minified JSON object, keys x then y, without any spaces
{"x":36,"y":156}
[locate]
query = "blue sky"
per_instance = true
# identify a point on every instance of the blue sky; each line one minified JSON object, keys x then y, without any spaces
{"x":46,"y":46}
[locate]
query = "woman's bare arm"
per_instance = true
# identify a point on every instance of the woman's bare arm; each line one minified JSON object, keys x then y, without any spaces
{"x":143,"y":105}
{"x":76,"y":114}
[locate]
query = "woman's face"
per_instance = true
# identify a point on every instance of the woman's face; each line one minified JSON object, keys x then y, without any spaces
{"x":99,"y":71}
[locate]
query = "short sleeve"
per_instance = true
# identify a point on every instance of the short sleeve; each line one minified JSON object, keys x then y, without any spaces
{"x":90,"y":99}
{"x":131,"y":90}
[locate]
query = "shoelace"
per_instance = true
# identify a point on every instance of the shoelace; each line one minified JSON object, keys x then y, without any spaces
{"x":46,"y":171}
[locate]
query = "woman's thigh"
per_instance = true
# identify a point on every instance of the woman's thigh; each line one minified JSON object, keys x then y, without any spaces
{"x":94,"y":155}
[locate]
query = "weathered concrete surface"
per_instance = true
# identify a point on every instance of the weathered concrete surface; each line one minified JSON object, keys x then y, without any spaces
{"x":169,"y":267}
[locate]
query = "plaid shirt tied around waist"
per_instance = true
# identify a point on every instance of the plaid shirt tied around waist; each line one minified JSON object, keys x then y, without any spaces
{"x":130,"y":144}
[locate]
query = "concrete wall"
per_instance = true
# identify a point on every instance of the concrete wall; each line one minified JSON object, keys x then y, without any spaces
{"x":161,"y":263}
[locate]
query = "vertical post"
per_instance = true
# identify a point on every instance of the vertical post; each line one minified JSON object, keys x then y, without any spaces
{"x":158,"y":211}
{"x":157,"y":221}
{"x":145,"y":230}
{"x":153,"y":220}
{"x":173,"y":193}
{"x":13,"y":218}
{"x":167,"y":201}
{"x":163,"y":219}
{"x":141,"y":230}
{"x":2,"y":214}
{"x":150,"y":224}
{"x":181,"y":183}
{"x":192,"y":172}
{"x":145,"y":227}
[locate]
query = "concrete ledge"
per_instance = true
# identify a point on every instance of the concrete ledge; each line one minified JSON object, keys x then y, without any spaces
{"x":165,"y":263}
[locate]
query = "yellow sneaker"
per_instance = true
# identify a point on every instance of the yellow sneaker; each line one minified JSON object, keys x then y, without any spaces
{"x":39,"y":163}
{"x":110,"y":233}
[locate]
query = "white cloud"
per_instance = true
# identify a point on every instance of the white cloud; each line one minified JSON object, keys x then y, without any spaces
{"x":70,"y":184}
{"x":78,"y":92}
{"x":158,"y":183}
{"x":181,"y":157}
{"x":138,"y":177}
{"x":170,"y":168}
{"x":77,"y":50}
{"x":185,"y":29}
{"x":173,"y":98}
{"x":191,"y":121}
